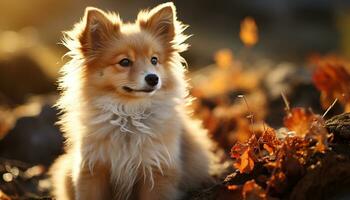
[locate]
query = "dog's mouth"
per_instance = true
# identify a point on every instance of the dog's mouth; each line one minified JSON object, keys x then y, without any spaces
{"x":145,"y":90}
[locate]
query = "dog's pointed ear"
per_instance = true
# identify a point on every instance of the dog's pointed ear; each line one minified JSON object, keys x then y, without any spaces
{"x":160,"y":21}
{"x":98,"y":28}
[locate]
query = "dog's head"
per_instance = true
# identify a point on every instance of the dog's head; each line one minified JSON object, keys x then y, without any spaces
{"x":130,"y":60}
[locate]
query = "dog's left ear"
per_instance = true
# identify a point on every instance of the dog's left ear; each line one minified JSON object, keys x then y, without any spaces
{"x":160,"y":21}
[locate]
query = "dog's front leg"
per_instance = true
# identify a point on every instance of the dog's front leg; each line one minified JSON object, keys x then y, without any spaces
{"x":165,"y":186}
{"x":93,"y":185}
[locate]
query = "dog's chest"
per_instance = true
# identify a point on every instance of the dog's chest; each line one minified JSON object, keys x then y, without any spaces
{"x":135,"y":142}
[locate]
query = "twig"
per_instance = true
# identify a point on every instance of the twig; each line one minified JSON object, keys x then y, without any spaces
{"x":330,"y":107}
{"x":250,"y":116}
{"x":286,"y":102}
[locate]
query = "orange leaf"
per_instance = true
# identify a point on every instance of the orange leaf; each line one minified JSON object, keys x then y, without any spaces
{"x":233,"y":187}
{"x":249,"y":32}
{"x":278,"y":181}
{"x":245,"y":163}
{"x":320,"y":145}
{"x":237,"y":150}
{"x":251,"y":190}
{"x":299,"y":120}
{"x":224,"y":58}
{"x":268,"y":148}
{"x":332,"y":78}
{"x":3,"y":196}
{"x":320,"y":134}
{"x":270,"y":140}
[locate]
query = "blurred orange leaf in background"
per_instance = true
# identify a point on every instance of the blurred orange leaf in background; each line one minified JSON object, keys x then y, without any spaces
{"x":224,"y":58}
{"x":333,"y":82}
{"x":249,"y":32}
{"x":332,"y":77}
{"x":3,"y":196}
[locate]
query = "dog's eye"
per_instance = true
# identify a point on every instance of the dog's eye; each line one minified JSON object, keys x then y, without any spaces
{"x":154,"y":60}
{"x":125,"y":62}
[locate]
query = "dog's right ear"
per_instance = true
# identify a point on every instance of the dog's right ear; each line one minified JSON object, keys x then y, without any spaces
{"x":98,"y":29}
{"x":160,"y":21}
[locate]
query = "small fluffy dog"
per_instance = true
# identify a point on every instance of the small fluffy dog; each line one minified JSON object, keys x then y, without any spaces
{"x":125,"y":111}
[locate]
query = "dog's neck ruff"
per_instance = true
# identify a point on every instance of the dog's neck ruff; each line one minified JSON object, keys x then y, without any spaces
{"x":129,"y":118}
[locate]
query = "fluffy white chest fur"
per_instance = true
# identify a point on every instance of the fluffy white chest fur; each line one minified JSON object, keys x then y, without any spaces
{"x":130,"y":139}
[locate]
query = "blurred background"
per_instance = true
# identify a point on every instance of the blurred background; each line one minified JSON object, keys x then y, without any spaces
{"x":254,"y":48}
{"x":288,"y":29}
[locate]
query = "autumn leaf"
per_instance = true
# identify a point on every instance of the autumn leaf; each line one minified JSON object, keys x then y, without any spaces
{"x":269,"y":140}
{"x":237,"y":150}
{"x":299,"y":120}
{"x":320,"y":145}
{"x":245,"y":163}
{"x":305,"y":123}
{"x":268,"y":148}
{"x":251,"y":190}
{"x":233,"y":187}
{"x":224,"y":58}
{"x":3,"y":196}
{"x":319,"y":133}
{"x":277,"y":181}
{"x":332,"y":77}
{"x":249,"y":32}
{"x":295,"y":146}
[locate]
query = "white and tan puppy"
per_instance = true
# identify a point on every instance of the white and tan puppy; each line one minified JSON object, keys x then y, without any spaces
{"x":125,"y":111}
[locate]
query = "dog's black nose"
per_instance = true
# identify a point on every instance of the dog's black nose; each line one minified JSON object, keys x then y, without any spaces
{"x":152,"y":79}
